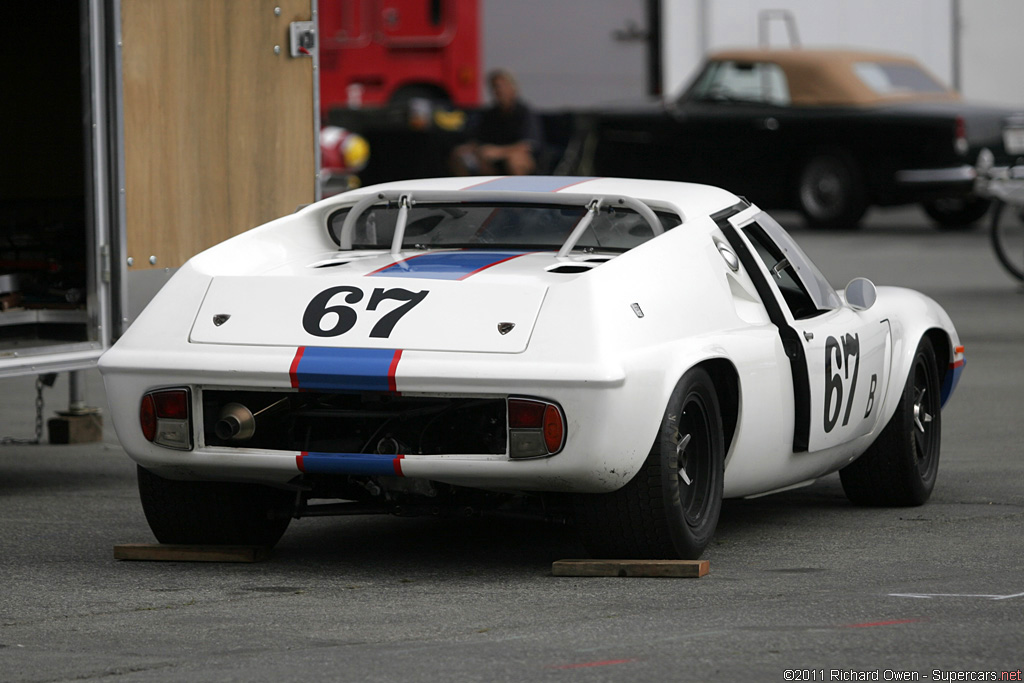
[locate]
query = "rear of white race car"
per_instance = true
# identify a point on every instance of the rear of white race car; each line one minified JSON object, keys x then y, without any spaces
{"x":474,"y":369}
{"x":288,"y":364}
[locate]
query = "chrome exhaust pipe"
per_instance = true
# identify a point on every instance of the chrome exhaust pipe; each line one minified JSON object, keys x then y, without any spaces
{"x":236,"y":423}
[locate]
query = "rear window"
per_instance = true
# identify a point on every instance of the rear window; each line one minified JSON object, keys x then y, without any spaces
{"x":896,"y":78}
{"x":528,"y":226}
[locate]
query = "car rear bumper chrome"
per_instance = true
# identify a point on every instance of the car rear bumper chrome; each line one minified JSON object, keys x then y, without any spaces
{"x":937,"y":176}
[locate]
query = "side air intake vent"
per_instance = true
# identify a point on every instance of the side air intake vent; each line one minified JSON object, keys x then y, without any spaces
{"x":570,"y":269}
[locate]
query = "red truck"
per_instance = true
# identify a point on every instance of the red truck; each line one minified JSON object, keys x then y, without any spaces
{"x":379,"y":52}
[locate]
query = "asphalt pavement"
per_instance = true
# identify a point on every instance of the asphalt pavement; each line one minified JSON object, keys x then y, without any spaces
{"x":803,"y":586}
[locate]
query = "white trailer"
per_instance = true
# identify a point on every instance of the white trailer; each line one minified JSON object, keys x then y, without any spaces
{"x":137,"y":133}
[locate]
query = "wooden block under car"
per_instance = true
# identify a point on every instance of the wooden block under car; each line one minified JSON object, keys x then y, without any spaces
{"x":677,"y":569}
{"x":190,"y":553}
{"x":70,"y":428}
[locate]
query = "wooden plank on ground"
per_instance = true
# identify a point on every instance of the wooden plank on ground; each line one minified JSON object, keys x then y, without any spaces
{"x":190,"y":553}
{"x":680,"y":569}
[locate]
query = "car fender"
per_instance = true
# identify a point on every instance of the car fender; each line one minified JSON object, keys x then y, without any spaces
{"x":911,"y":316}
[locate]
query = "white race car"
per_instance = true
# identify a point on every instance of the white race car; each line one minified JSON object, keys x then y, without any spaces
{"x":624,"y":353}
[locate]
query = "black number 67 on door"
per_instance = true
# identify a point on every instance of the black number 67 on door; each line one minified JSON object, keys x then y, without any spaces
{"x":318,"y":310}
{"x":841,"y":353}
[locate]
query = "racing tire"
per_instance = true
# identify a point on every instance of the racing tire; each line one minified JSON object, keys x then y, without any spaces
{"x":659,"y":513}
{"x":900,"y":468}
{"x":213,"y":513}
{"x":1008,"y":241}
{"x":956,"y":213}
{"x":830,"y":192}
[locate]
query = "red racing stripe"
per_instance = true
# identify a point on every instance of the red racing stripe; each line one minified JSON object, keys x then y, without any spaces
{"x":392,"y":369}
{"x":298,"y":461}
{"x":392,"y":265}
{"x":293,"y":371}
{"x":398,"y":465}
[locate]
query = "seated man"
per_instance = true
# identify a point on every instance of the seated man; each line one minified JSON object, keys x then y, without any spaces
{"x":505,"y":138}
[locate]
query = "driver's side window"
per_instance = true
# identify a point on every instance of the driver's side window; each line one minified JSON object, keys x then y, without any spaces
{"x":783,"y":273}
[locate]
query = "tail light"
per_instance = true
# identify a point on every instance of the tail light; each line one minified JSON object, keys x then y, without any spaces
{"x":960,"y":143}
{"x":535,"y":428}
{"x":165,"y":418}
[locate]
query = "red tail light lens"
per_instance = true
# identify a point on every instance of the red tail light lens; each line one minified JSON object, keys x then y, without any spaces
{"x":165,"y":418}
{"x":147,"y":417}
{"x":523,"y":414}
{"x":172,"y":404}
{"x":535,"y":428}
{"x":554,"y":428}
{"x":960,"y":143}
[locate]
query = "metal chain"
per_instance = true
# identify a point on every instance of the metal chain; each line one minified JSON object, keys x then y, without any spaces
{"x":11,"y":441}
{"x":39,"y":409}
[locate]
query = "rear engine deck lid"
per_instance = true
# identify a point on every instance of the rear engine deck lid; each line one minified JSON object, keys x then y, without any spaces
{"x":378,"y":312}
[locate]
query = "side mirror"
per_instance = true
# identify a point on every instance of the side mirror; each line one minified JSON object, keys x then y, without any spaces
{"x":861,"y":294}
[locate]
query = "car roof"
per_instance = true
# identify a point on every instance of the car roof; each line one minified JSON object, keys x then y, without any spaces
{"x":826,"y":77}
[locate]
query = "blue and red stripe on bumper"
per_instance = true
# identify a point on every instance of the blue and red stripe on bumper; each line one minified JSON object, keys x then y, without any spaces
{"x":317,"y":368}
{"x":952,"y":377}
{"x":359,"y":464}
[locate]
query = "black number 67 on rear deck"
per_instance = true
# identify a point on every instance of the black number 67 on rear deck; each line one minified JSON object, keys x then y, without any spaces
{"x":319,"y":308}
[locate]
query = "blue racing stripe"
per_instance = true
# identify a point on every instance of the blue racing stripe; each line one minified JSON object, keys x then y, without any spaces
{"x":366,"y":464}
{"x":345,"y":369}
{"x":950,"y":381}
{"x":446,"y":265}
{"x":528,"y":183}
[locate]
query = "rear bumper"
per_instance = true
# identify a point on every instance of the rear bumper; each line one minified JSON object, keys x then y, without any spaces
{"x":608,"y":433}
{"x":956,"y":176}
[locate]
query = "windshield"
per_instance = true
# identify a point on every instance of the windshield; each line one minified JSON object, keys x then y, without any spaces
{"x":527,"y":226}
{"x":762,"y":82}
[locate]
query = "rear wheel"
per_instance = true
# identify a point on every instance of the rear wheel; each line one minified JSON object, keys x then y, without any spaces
{"x":1008,"y":240}
{"x":213,"y":513}
{"x":670,"y":508}
{"x":830,"y":192}
{"x":956,"y":213}
{"x":900,"y":468}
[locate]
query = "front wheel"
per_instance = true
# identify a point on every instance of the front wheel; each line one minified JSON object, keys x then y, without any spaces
{"x":830,"y":192}
{"x":670,"y":508}
{"x":213,"y":513}
{"x":1008,"y":240}
{"x":900,"y":468}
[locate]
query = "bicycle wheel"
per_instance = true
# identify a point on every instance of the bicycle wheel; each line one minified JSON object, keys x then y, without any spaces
{"x":1008,"y":239}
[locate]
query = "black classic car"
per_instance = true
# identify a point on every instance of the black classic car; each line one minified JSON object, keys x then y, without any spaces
{"x":827,"y":132}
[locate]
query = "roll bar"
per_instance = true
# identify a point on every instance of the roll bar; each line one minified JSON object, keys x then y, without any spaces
{"x":406,"y":199}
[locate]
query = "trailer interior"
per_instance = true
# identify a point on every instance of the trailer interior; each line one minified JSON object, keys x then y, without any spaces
{"x":46,"y":298}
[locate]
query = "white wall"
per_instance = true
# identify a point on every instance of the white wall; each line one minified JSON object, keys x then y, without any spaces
{"x":564,"y":53}
{"x":992,"y":51}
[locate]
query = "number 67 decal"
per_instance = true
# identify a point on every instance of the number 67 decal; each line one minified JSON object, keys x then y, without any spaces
{"x":843,"y":349}
{"x":318,"y":308}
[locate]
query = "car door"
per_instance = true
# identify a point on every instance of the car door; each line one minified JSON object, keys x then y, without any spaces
{"x":841,"y":355}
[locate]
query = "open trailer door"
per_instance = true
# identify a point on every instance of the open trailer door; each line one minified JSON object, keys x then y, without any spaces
{"x":145,"y":132}
{"x":55,"y":290}
{"x":221,"y":118}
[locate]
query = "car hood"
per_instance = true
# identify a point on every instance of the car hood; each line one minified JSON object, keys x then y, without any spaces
{"x":468,"y":301}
